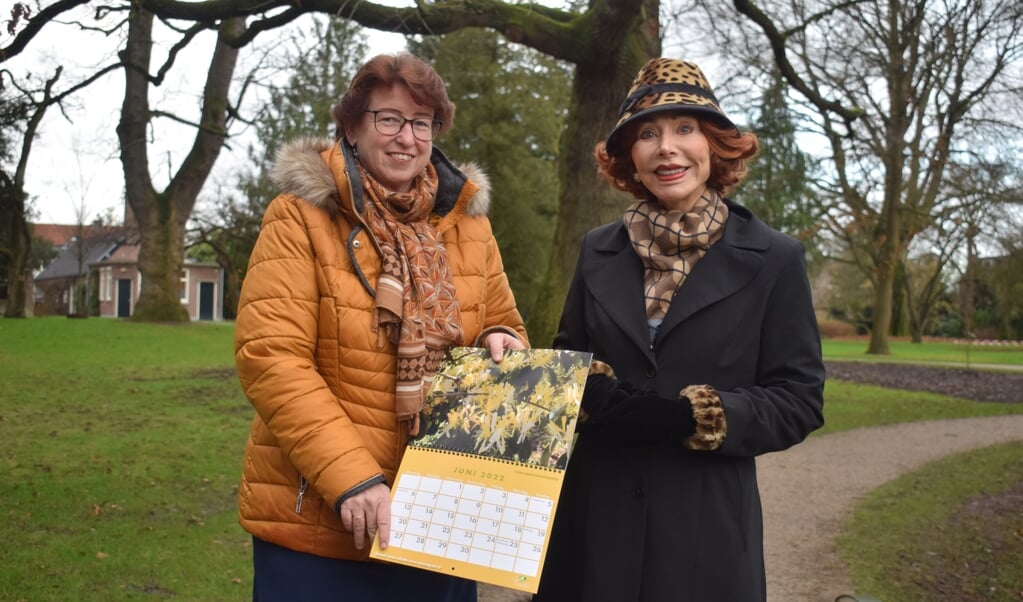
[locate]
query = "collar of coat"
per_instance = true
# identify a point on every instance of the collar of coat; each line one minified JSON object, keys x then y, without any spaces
{"x":321,"y":171}
{"x":614,"y":274}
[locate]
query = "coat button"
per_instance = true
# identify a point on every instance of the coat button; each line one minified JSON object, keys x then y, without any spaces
{"x":651,"y":372}
{"x":638,"y":492}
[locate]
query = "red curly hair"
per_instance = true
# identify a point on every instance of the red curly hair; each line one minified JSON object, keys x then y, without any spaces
{"x":730,"y":150}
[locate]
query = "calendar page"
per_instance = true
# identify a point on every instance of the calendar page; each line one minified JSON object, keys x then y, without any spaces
{"x":476,"y":491}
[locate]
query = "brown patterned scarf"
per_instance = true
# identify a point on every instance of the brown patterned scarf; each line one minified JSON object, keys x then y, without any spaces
{"x":670,"y":242}
{"x":416,"y":306}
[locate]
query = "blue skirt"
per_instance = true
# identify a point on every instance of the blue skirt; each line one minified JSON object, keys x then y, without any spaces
{"x":283,"y":575}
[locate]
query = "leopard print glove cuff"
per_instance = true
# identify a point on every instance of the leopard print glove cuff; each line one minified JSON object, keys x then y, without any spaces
{"x":711,"y":425}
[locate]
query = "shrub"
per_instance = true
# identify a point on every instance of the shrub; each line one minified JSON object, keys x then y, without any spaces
{"x":836,"y":328}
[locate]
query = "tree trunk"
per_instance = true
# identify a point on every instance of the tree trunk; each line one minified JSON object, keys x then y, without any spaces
{"x":161,"y":257}
{"x":232,"y":282}
{"x":900,"y":297}
{"x":162,"y":216}
{"x":17,"y":268}
{"x":586,"y":199}
{"x":882,"y":312}
{"x":887,"y":260}
{"x":917,"y":325}
{"x":602,"y":80}
{"x":969,"y":282}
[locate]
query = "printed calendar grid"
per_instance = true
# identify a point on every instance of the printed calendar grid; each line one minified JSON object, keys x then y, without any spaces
{"x":470,"y":522}
{"x":476,"y":491}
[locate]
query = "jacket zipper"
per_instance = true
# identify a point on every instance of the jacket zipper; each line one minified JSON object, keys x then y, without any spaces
{"x":302,"y":485}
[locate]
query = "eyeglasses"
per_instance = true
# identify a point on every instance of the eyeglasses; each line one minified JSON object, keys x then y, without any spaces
{"x":389,"y":123}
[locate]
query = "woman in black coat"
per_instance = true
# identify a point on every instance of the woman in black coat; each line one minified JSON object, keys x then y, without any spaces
{"x":709,"y":355}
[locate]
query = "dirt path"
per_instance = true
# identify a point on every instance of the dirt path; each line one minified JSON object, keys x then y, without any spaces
{"x":810,"y":489}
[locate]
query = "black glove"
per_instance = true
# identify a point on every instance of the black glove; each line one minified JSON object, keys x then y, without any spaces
{"x":616,"y":409}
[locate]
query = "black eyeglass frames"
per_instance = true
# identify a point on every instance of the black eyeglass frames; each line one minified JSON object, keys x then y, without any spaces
{"x":389,"y":123}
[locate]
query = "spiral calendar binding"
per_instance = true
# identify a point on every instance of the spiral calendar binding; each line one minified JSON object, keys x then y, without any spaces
{"x":466,"y":454}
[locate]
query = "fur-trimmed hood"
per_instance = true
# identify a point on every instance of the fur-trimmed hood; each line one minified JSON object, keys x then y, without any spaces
{"x":303,"y":167}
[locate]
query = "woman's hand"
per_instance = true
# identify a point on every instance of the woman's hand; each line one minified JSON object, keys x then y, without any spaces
{"x":497,"y":342}
{"x":367,"y":513}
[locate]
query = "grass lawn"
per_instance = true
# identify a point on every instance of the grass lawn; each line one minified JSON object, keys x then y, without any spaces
{"x":121,"y":457}
{"x":122,"y":447}
{"x":848,"y":406}
{"x":949,"y":531}
{"x":928,"y":352}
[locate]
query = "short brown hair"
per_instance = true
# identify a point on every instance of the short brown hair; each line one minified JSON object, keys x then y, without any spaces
{"x":422,"y":81}
{"x":730,"y":150}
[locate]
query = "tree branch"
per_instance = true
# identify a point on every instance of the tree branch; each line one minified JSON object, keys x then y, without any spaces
{"x":186,"y":38}
{"x":777,"y":41}
{"x":36,"y":24}
{"x":539,"y":27}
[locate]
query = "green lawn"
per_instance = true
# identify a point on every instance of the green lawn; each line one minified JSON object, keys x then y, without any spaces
{"x":122,"y":447}
{"x":848,"y":405}
{"x":928,"y":352}
{"x":121,"y":456}
{"x":951,"y":531}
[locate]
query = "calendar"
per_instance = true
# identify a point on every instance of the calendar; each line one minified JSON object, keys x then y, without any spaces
{"x":476,"y":492}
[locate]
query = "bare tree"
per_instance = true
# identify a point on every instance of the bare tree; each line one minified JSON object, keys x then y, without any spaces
{"x":83,"y":240}
{"x":986,"y":213}
{"x":925,"y":277}
{"x":18,"y":245}
{"x":162,"y":215}
{"x":39,"y":101}
{"x":1000,"y":278}
{"x":607,"y":42}
{"x":899,"y":89}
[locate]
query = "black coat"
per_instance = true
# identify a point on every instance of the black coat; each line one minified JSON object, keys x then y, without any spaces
{"x":658,"y":522}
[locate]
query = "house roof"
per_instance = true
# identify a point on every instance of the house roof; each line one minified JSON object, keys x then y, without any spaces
{"x":74,"y":259}
{"x":58,"y":234}
{"x":122,"y":254}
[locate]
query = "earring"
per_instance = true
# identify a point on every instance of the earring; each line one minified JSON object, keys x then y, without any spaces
{"x":355,"y":151}
{"x":635,"y":176}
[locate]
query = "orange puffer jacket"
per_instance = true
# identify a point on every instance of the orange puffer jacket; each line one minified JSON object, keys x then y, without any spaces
{"x":320,"y":380}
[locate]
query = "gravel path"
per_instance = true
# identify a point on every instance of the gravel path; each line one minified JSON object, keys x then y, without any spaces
{"x":809,"y":490}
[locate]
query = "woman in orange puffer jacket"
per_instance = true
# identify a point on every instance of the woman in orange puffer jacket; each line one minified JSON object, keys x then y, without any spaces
{"x":376,"y":258}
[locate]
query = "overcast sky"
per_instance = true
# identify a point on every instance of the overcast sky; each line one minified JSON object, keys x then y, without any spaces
{"x":74,"y":165}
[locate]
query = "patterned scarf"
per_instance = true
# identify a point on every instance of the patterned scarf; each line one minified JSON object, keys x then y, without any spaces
{"x":416,"y":306}
{"x":670,"y":242}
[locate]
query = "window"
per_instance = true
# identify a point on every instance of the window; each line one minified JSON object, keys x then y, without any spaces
{"x":183,"y":287}
{"x":106,"y":284}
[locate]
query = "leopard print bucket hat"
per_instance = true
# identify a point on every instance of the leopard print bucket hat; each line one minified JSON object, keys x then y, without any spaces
{"x":666,"y":85}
